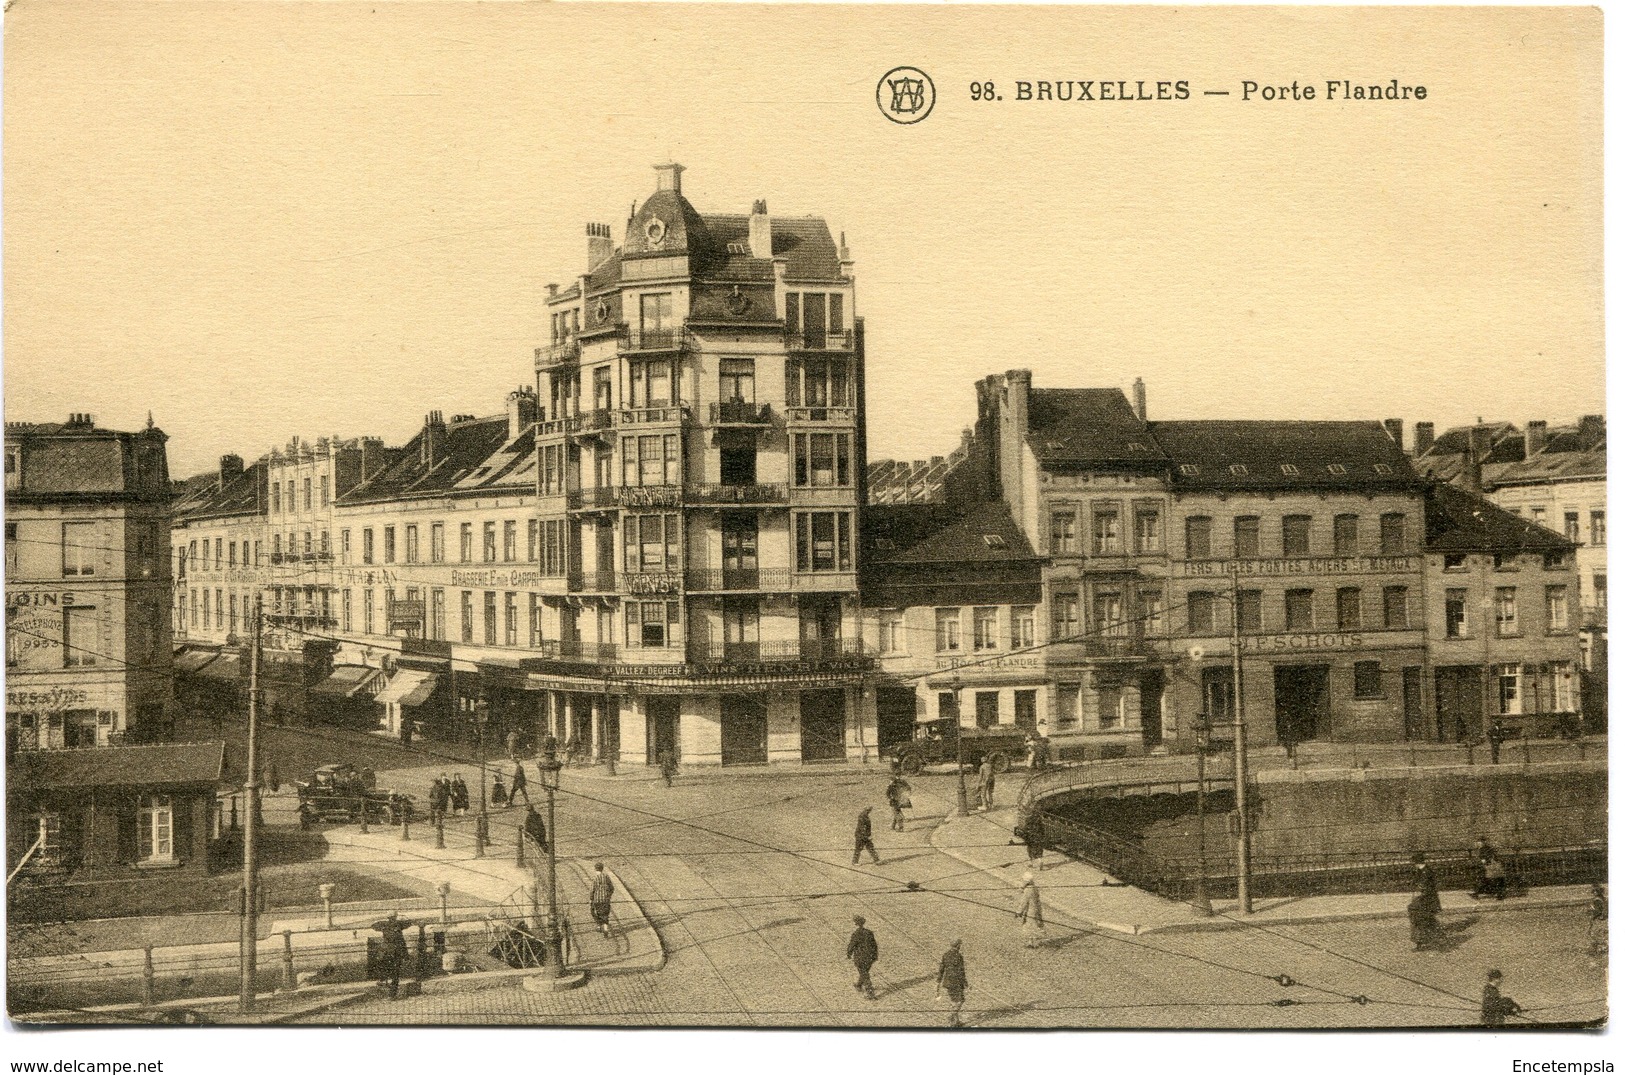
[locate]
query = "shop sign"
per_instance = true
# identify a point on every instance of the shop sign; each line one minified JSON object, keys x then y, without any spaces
{"x":951,"y":663}
{"x":1305,"y":640}
{"x":515,"y":577}
{"x":45,"y":699}
{"x":655,"y":583}
{"x":1304,"y":565}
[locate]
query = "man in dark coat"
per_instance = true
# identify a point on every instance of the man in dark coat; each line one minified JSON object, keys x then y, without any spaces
{"x":951,"y":980}
{"x":863,"y":837}
{"x":1030,"y":831}
{"x":392,"y":956}
{"x":439,"y":796}
{"x":535,"y":827}
{"x":1496,"y":1007}
{"x":897,"y":796}
{"x":1424,"y":922}
{"x":863,"y":951}
{"x":599,"y":899}
{"x":459,"y":794}
{"x":520,"y":784}
{"x":1427,"y":886}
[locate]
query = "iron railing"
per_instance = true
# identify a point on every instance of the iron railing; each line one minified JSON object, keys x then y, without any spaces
{"x":738,"y":578}
{"x":740,"y":413}
{"x":843,"y":415}
{"x":558,"y":354}
{"x":727,"y":493}
{"x":601,"y":581}
{"x":652,"y":339}
{"x":819,"y":341}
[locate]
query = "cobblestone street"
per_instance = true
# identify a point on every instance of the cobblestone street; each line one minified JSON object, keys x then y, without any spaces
{"x":752,"y":889}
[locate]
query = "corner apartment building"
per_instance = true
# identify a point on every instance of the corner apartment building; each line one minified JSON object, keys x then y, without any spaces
{"x":701,"y":461}
{"x":87,"y":585}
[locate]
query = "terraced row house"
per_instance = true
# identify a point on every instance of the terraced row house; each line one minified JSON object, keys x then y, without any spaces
{"x":1155,"y":551}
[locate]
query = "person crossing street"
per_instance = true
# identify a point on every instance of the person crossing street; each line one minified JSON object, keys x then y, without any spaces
{"x":897,"y":797}
{"x":863,"y":950}
{"x":951,"y":979}
{"x":863,"y":837}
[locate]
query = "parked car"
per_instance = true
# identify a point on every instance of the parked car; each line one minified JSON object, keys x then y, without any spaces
{"x":938,"y":741}
{"x":343,"y":792}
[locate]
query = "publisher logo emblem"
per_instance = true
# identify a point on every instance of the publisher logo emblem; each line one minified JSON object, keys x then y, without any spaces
{"x":905,"y":95}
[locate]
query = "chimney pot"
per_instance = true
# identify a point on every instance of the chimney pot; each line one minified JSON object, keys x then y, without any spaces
{"x":1396,"y":430}
{"x":1139,"y":398}
{"x":599,"y":245}
{"x":1534,"y":438}
{"x":761,"y":230}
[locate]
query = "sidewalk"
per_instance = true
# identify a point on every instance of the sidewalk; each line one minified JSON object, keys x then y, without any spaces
{"x":1076,"y":892}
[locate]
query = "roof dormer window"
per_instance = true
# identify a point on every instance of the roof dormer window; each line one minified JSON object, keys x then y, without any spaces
{"x":1189,"y":469}
{"x":994,"y":541}
{"x":1289,"y":470}
{"x":1384,"y":468}
{"x":1336,"y":468}
{"x":1238,"y":470}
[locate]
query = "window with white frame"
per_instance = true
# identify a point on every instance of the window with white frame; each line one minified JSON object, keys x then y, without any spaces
{"x":1506,"y":610}
{"x":948,"y":630}
{"x":891,"y":631}
{"x":1508,"y":692}
{"x":985,"y":628}
{"x":1557,"y":608}
{"x":156,"y":826}
{"x":1023,"y":627}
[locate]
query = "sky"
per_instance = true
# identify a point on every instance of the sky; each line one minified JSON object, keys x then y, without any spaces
{"x":260,"y":221}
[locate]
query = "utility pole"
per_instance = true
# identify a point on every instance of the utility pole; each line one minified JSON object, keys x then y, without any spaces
{"x":959,"y":753}
{"x":1244,"y":848}
{"x":482,"y":823}
{"x":1203,"y":903}
{"x":249,"y":938}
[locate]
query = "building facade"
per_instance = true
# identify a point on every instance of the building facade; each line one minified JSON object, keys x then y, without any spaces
{"x":87,"y":585}
{"x":701,"y":457}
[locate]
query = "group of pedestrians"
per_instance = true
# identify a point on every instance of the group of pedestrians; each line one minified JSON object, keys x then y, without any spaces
{"x":448,"y":795}
{"x":864,"y":952}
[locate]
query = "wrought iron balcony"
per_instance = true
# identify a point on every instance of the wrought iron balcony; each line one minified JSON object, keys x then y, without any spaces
{"x":742,"y":579}
{"x":578,"y":651}
{"x":829,"y":649}
{"x":660,"y":414}
{"x":840,"y":415}
{"x":1114,"y":647}
{"x":591,"y":581}
{"x":818,"y":341}
{"x":652,"y":339}
{"x":737,"y":412}
{"x":566,"y":353}
{"x":756,"y":493}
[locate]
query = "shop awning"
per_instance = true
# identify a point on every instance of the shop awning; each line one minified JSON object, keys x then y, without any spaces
{"x":192,"y":661}
{"x":346,"y":681}
{"x":228,"y":668}
{"x":409,"y":687}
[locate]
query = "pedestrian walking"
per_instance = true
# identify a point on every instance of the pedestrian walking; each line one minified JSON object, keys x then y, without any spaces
{"x":863,"y":950}
{"x":439,"y":795}
{"x":1032,"y":752}
{"x":273,"y":778}
{"x":897,"y":797}
{"x":392,"y":952}
{"x":521,"y":784}
{"x":668,"y":766}
{"x":573,"y":748}
{"x":1427,"y":886}
{"x":1031,"y":913}
{"x":1494,"y":882}
{"x":984,"y":783}
{"x":599,"y":899}
{"x":1597,"y":932}
{"x":512,"y":743}
{"x":1424,"y":920}
{"x":535,"y":827}
{"x":863,"y":837}
{"x":499,"y":791}
{"x":951,"y":980}
{"x":1497,"y":1006}
{"x":459,"y":795}
{"x":1029,"y":830}
{"x":1481,"y":853}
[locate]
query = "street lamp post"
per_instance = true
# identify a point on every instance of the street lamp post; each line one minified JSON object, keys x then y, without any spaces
{"x":482,"y":712}
{"x":553,"y":938}
{"x":1244,"y":841}
{"x":959,"y":754}
{"x":1202,"y":729}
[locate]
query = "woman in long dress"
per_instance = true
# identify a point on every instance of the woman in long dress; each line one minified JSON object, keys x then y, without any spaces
{"x":1031,"y":913}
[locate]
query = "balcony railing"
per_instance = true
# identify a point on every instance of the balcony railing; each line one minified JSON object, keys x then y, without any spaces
{"x":578,"y":651}
{"x":1101,"y":648}
{"x":558,"y":354}
{"x":829,"y":649}
{"x":789,"y":649}
{"x":300,"y":619}
{"x":742,"y":579}
{"x":595,"y":421}
{"x":652,"y":583}
{"x":755,"y":493}
{"x":843,"y":415}
{"x":570,"y":423}
{"x":591,"y":581}
{"x":737,"y":412}
{"x":818,"y":341}
{"x":652,"y":339}
{"x":662,"y":414}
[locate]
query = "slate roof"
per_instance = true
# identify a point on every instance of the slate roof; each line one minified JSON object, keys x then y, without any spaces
{"x":157,"y":764}
{"x":1461,"y":521}
{"x":475,"y":455}
{"x":920,"y":481}
{"x":930,"y":554}
{"x":1087,"y":425}
{"x":1570,"y":452}
{"x":203,"y":497}
{"x":1283,"y":455}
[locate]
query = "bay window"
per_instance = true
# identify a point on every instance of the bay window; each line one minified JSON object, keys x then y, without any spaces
{"x":824,"y":541}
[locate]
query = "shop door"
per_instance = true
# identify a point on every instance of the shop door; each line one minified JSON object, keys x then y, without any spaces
{"x":1151,"y":708}
{"x":1415,"y":726}
{"x":1459,"y":695}
{"x":663,"y":718}
{"x":744,"y":730}
{"x":894,"y":713}
{"x":1302,"y":701}
{"x":823,"y":725}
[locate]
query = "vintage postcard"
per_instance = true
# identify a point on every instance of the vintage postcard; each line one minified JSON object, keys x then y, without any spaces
{"x":736,"y":516}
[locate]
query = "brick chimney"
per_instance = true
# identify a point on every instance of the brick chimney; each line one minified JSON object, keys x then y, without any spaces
{"x":432,"y":446}
{"x":761,"y":230}
{"x":1396,"y":430}
{"x":1139,"y":398}
{"x":1424,"y":437}
{"x":599,"y":245}
{"x":1591,"y":430}
{"x":1534,"y":438}
{"x":231,"y":468}
{"x":521,"y":411}
{"x":372,"y":456}
{"x":1472,"y":471}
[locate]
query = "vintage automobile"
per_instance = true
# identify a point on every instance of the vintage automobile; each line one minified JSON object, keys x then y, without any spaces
{"x":343,"y":791}
{"x":937,"y":742}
